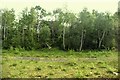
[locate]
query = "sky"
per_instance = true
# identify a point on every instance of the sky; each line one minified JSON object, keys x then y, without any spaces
{"x":72,"y":5}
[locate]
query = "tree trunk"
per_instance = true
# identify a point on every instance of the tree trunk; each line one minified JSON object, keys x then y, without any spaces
{"x":53,"y":34}
{"x":4,"y":33}
{"x":23,"y":37}
{"x":5,"y":30}
{"x":38,"y":31}
{"x":101,"y":39}
{"x":64,"y":37}
{"x":32,"y":31}
{"x":81,"y":41}
{"x":48,"y":46}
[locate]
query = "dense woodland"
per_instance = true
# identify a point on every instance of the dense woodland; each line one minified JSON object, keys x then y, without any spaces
{"x":36,"y":29}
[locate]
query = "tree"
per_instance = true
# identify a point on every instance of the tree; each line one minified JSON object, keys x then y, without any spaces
{"x":36,"y":29}
{"x":103,"y":25}
{"x":8,"y":24}
{"x":40,"y":14}
{"x":86,"y":23}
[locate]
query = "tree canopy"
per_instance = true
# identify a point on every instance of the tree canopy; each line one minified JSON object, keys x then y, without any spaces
{"x":37,"y":29}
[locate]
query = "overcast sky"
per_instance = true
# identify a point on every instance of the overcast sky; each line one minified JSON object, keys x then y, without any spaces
{"x":72,"y":5}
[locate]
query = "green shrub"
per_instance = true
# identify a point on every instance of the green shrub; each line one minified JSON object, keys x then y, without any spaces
{"x":71,"y":51}
{"x":11,"y":48}
{"x":21,"y":49}
{"x":16,"y":51}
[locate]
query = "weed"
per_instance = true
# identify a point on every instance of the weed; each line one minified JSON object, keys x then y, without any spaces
{"x":87,"y":75}
{"x":50,"y":74}
{"x":2,"y":63}
{"x":83,"y":67}
{"x":46,"y":56}
{"x":79,"y":75}
{"x":45,"y":76}
{"x":96,"y":73}
{"x":100,"y":62}
{"x":20,"y":61}
{"x":50,"y":66}
{"x":38,"y":75}
{"x":71,"y":64}
{"x":23,"y":67}
{"x":37,"y":56}
{"x":37,"y":68}
{"x":92,"y":68}
{"x":36,"y":61}
{"x":63,"y":70}
{"x":14,"y":64}
{"x":58,"y":56}
{"x":56,"y":67}
{"x":109,"y":71}
{"x":102,"y":67}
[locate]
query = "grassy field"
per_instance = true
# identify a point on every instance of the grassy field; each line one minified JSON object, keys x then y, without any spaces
{"x":59,"y":64}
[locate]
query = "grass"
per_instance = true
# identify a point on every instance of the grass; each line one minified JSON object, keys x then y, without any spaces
{"x":59,"y":64}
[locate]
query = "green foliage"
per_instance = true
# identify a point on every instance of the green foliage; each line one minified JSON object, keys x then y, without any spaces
{"x":16,"y":51}
{"x":64,"y":30}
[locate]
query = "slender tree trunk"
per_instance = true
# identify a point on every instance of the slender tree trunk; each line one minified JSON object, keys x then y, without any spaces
{"x":4,"y":33}
{"x":81,"y":41}
{"x":32,"y":31}
{"x":53,"y":34}
{"x":101,"y":39}
{"x":38,"y":31}
{"x":64,"y":37}
{"x":23,"y":36}
{"x":38,"y":37}
{"x":38,"y":25}
{"x":48,"y":45}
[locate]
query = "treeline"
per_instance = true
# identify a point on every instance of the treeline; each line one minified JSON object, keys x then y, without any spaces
{"x":36,"y":29}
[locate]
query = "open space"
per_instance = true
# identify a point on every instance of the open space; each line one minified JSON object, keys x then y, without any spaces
{"x":55,"y":63}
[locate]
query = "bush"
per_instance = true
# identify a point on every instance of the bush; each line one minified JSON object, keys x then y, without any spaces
{"x":21,"y":49}
{"x":11,"y":48}
{"x":16,"y":50}
{"x":71,"y":51}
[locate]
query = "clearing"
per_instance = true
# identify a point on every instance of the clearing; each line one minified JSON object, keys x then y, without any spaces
{"x":55,"y":63}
